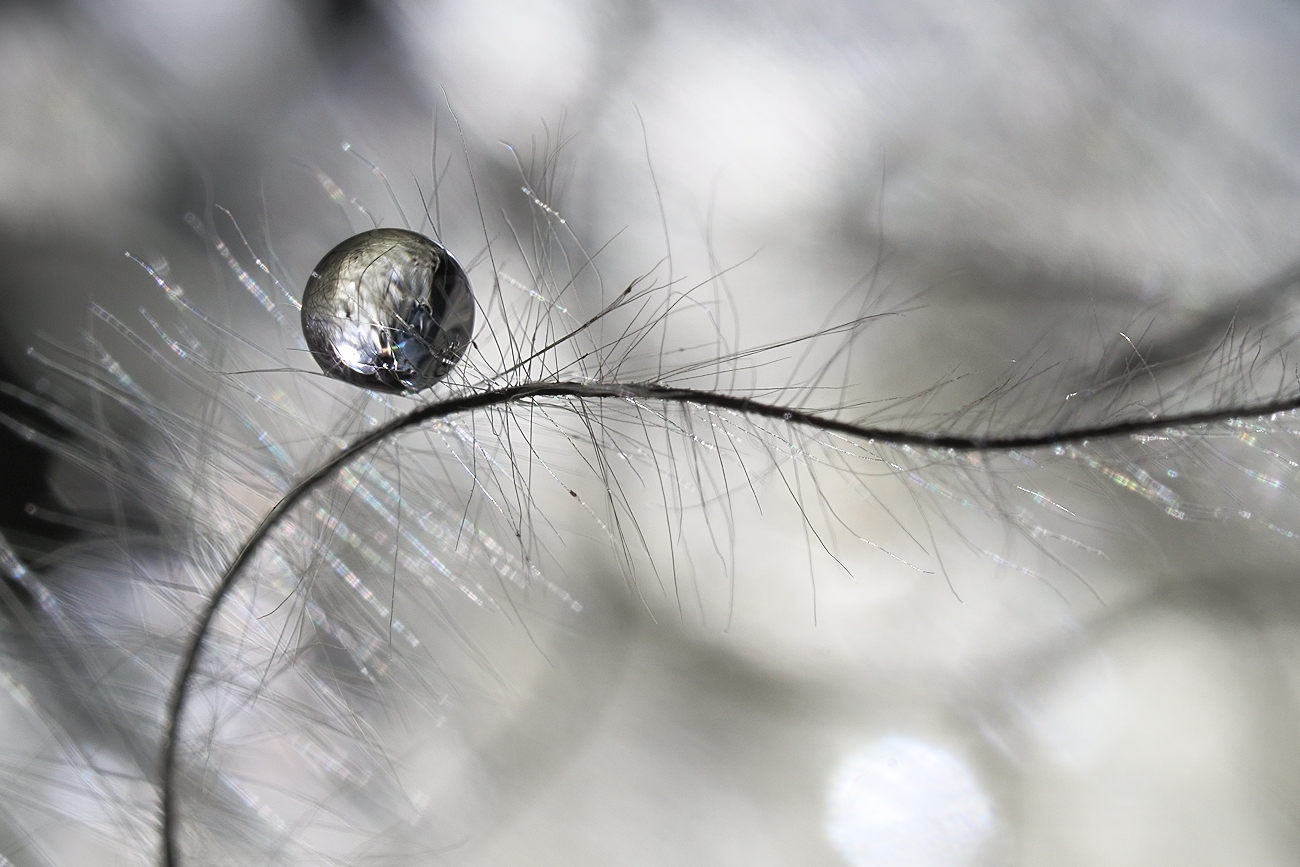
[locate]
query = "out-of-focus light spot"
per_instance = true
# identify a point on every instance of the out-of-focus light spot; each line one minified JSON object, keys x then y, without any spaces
{"x":1075,"y":717}
{"x":504,"y":63}
{"x":904,"y":803}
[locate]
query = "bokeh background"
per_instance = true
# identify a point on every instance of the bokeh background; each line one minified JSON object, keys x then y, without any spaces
{"x":1053,"y":193}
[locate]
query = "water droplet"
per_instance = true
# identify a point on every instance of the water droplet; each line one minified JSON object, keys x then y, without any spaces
{"x":389,"y":310}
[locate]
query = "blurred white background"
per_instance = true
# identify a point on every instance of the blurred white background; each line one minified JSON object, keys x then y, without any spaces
{"x":1038,"y":176}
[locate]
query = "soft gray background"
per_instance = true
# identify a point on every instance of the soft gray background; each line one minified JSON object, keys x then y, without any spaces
{"x":1035,"y":172}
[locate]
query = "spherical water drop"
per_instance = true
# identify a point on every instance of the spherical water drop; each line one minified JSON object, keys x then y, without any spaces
{"x":389,"y":310}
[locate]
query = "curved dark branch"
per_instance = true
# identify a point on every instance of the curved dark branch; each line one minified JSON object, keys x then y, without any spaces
{"x":625,"y":391}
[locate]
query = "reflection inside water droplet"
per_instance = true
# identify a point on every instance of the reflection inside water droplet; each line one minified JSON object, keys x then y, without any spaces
{"x":389,"y":310}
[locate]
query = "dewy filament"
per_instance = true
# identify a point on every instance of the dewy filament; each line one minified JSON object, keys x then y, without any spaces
{"x":388,"y":335}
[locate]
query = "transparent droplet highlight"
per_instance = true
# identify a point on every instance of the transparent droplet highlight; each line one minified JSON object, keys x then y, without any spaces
{"x":389,"y":310}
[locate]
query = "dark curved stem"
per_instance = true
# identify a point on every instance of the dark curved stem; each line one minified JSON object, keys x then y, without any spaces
{"x":626,"y":391}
